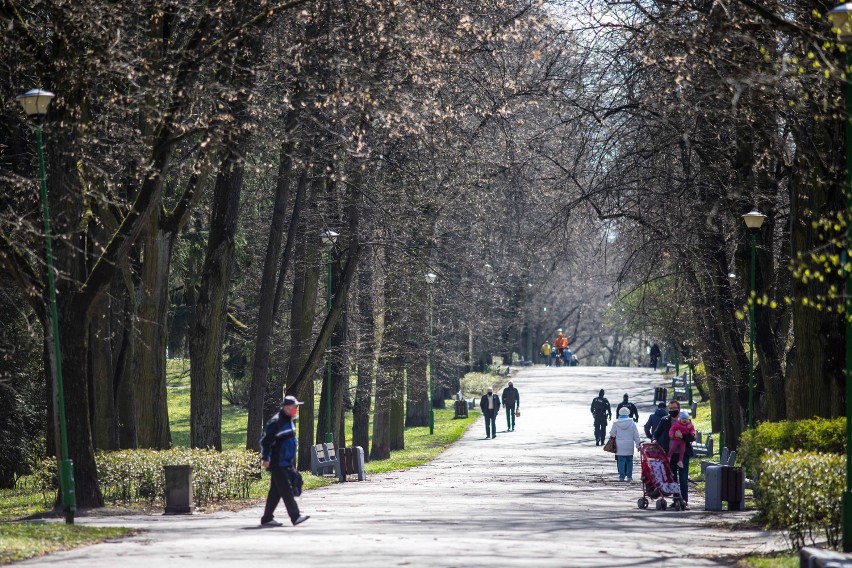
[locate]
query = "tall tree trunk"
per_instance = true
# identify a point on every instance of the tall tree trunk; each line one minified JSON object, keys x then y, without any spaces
{"x":274,"y":269}
{"x":366,"y":355}
{"x":150,"y":360}
{"x":101,"y":373}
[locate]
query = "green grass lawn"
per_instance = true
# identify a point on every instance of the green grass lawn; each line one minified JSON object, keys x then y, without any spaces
{"x":785,"y":560}
{"x":19,"y":541}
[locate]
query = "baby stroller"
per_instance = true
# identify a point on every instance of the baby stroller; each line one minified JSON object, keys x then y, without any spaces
{"x":657,"y":480}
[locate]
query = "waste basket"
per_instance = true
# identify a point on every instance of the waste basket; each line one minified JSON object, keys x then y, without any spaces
{"x":178,"y":489}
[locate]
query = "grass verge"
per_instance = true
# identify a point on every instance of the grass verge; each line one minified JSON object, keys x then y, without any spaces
{"x":783,"y":560}
{"x":19,"y":541}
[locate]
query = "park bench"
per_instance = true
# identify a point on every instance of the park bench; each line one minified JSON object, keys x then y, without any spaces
{"x":700,"y":448}
{"x":352,"y":462}
{"x":726,"y":458}
{"x":660,"y":394}
{"x":324,"y":461}
{"x":461,"y":408}
{"x":679,"y":387}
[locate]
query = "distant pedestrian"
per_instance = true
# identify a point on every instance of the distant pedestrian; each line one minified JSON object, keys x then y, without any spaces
{"x":661,"y":435}
{"x":602,"y":412}
{"x":278,"y":455}
{"x":546,"y":349}
{"x":626,"y":437}
{"x":511,"y":401}
{"x":634,"y":413}
{"x":490,"y":406}
{"x":574,"y":361}
{"x":554,"y":358}
{"x":654,"y":420}
{"x":677,"y":445}
{"x":561,"y":342}
{"x":567,"y":355}
{"x":655,"y":355}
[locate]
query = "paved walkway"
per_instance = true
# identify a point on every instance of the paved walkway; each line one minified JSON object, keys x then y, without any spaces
{"x":543,"y":495}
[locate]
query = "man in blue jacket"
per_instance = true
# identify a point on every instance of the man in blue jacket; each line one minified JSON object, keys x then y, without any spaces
{"x":654,"y":420}
{"x":278,"y":455}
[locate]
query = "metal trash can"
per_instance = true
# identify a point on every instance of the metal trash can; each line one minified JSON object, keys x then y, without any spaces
{"x":733,"y":487}
{"x":713,"y":488}
{"x":178,"y":489}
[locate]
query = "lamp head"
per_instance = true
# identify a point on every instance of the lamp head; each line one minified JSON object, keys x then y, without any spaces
{"x":841,"y":22}
{"x":35,"y":102}
{"x":431,"y":277}
{"x":754,"y":219}
{"x":328,"y":237}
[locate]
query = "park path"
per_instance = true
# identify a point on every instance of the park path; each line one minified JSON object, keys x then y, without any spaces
{"x":543,"y":495}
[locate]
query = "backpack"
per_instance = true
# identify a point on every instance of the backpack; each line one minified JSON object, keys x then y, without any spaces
{"x":599,"y":406}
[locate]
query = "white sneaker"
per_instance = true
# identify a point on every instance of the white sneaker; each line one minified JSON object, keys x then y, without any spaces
{"x":301,"y":519}
{"x":271,"y":523}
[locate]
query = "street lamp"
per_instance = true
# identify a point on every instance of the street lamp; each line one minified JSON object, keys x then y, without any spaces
{"x":753,"y":220}
{"x":430,"y":279}
{"x":35,"y":103}
{"x":328,"y":239}
{"x":842,"y":23}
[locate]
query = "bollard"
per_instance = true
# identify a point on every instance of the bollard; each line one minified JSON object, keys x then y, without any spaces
{"x":178,"y":489}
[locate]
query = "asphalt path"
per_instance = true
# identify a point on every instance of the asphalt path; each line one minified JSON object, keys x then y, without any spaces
{"x":543,"y":495}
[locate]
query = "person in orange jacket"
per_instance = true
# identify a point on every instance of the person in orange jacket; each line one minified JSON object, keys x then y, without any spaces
{"x":561,"y":342}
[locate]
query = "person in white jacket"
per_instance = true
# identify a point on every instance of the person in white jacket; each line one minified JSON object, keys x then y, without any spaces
{"x":626,"y":437}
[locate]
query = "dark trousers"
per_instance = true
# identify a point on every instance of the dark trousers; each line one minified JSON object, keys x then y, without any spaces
{"x":600,"y":429}
{"x":490,"y":423}
{"x":510,"y":417}
{"x":279,"y":488}
{"x":681,"y":475}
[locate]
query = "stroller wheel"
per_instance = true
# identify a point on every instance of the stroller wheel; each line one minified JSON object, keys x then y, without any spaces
{"x":642,"y":503}
{"x":682,"y":505}
{"x":659,"y":504}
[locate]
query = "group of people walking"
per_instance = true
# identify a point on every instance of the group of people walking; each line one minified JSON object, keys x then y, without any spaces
{"x":560,"y":354}
{"x":668,"y":426}
{"x":490,"y":405}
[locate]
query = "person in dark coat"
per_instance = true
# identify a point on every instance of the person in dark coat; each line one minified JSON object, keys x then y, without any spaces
{"x":655,"y":355}
{"x":511,"y":401}
{"x":654,"y":420}
{"x":490,"y":406}
{"x":602,"y":412}
{"x":634,"y":413}
{"x":278,"y":454}
{"x":661,"y":435}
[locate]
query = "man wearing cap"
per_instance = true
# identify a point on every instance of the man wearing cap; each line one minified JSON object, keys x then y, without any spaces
{"x":278,"y":455}
{"x":634,"y":413}
{"x":490,"y":406}
{"x":511,"y":401}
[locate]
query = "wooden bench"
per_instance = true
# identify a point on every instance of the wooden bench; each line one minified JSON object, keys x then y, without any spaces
{"x":324,"y":461}
{"x":352,"y":462}
{"x":461,"y":409}
{"x":660,"y":395}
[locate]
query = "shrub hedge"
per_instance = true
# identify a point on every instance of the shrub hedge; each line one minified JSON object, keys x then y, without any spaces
{"x":826,"y":436}
{"x":137,"y":476}
{"x":800,"y":492}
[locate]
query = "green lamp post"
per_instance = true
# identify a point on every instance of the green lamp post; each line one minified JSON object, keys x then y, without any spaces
{"x":753,"y":220}
{"x":430,"y":279}
{"x":328,"y":239}
{"x":842,"y":24}
{"x":35,"y":103}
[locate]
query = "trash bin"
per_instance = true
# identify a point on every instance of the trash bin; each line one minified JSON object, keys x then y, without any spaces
{"x":713,"y":488}
{"x":733,"y":487}
{"x":178,"y":489}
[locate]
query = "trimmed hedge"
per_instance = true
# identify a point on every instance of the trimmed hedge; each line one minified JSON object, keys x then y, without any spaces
{"x":800,"y":492}
{"x":137,"y":476}
{"x":815,"y":435}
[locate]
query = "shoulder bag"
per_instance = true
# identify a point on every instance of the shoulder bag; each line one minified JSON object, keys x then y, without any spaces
{"x":610,"y":445}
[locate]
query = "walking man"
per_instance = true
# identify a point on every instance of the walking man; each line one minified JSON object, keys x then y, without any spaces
{"x":634,"y":413}
{"x":278,"y":455}
{"x":602,"y":412}
{"x":511,"y":401}
{"x":490,"y":406}
{"x":655,"y":355}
